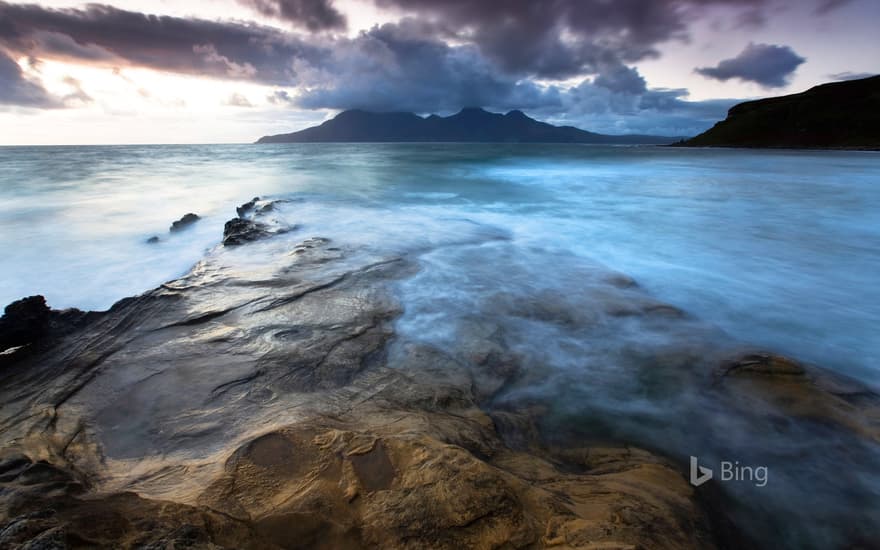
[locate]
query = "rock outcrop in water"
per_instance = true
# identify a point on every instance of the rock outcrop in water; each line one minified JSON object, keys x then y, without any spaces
{"x":252,"y":223}
{"x":269,"y":405}
{"x":186,"y":221}
{"x":839,"y":115}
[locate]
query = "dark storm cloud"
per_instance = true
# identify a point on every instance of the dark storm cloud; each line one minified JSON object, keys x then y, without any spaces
{"x":393,"y":67}
{"x":563,"y":38}
{"x":440,"y":56}
{"x":104,"y":34}
{"x":315,"y":15}
{"x":634,"y":109}
{"x":766,"y":64}
{"x":16,"y":90}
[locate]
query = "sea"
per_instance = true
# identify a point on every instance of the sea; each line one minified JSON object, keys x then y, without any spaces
{"x":778,"y":250}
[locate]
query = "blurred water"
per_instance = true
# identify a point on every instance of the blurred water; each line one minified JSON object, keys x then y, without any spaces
{"x":779,"y":249}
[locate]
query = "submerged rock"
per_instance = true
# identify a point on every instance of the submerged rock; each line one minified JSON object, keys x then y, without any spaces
{"x":761,"y":381}
{"x":184,"y":222}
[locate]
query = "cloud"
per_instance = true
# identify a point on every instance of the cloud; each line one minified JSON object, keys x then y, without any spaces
{"x":394,"y":68}
{"x":769,"y":65}
{"x":636,"y":109}
{"x":315,"y":15}
{"x":826,"y":6}
{"x":440,"y":56}
{"x":848,"y":75}
{"x":99,"y":34}
{"x":77,"y":94}
{"x":280,"y":97}
{"x":564,"y":38}
{"x":16,"y":90}
{"x":237,"y":100}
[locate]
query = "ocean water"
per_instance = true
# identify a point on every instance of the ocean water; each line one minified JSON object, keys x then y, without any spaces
{"x":780,"y":249}
{"x":769,"y":249}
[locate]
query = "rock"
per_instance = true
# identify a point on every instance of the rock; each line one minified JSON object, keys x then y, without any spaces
{"x":24,"y":321}
{"x":184,"y":222}
{"x":153,"y":240}
{"x":297,"y":428}
{"x":837,"y":115}
{"x":272,"y":405}
{"x":761,"y":381}
{"x":239,"y":231}
{"x":245,"y":228}
{"x":762,"y":364}
{"x":390,"y":487}
{"x":247,"y":207}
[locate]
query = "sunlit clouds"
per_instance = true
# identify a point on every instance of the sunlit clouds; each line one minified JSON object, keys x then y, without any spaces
{"x":232,"y":70}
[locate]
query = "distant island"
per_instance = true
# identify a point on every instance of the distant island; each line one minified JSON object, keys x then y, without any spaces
{"x":468,"y":125}
{"x":839,"y":115}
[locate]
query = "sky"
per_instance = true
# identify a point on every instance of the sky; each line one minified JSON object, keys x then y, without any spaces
{"x":230,"y":71}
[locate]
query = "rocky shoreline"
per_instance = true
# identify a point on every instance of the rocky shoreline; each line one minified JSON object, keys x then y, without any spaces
{"x":274,"y":406}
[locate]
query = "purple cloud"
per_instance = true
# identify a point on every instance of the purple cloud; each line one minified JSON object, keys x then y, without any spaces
{"x":769,"y":65}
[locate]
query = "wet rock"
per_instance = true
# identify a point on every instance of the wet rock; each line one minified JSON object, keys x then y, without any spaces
{"x":186,"y":221}
{"x":272,"y":405}
{"x":265,"y":208}
{"x":296,"y":428}
{"x":239,"y":231}
{"x":247,"y":207}
{"x":773,"y":384}
{"x":153,"y":240}
{"x":24,"y":321}
{"x":393,"y":487}
{"x":762,"y":364}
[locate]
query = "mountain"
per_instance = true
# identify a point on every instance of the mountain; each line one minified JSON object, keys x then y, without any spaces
{"x":839,"y":115}
{"x":468,"y":125}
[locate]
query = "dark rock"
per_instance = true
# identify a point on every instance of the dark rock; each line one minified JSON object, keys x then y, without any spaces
{"x":154,"y":239}
{"x":265,"y":208}
{"x":839,"y":115}
{"x":239,"y":231}
{"x":24,"y":322}
{"x":184,"y":222}
{"x":247,"y":207}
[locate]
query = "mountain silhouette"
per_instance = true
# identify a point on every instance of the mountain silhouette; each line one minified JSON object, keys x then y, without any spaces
{"x":468,"y":125}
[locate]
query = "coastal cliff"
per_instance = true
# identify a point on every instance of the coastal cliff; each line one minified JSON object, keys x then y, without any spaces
{"x":839,"y":115}
{"x":274,"y":406}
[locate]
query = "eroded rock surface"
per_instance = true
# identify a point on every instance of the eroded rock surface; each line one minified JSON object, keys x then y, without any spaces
{"x":265,"y":401}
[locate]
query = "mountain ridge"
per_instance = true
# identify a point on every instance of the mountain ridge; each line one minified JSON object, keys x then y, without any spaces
{"x":471,"y":124}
